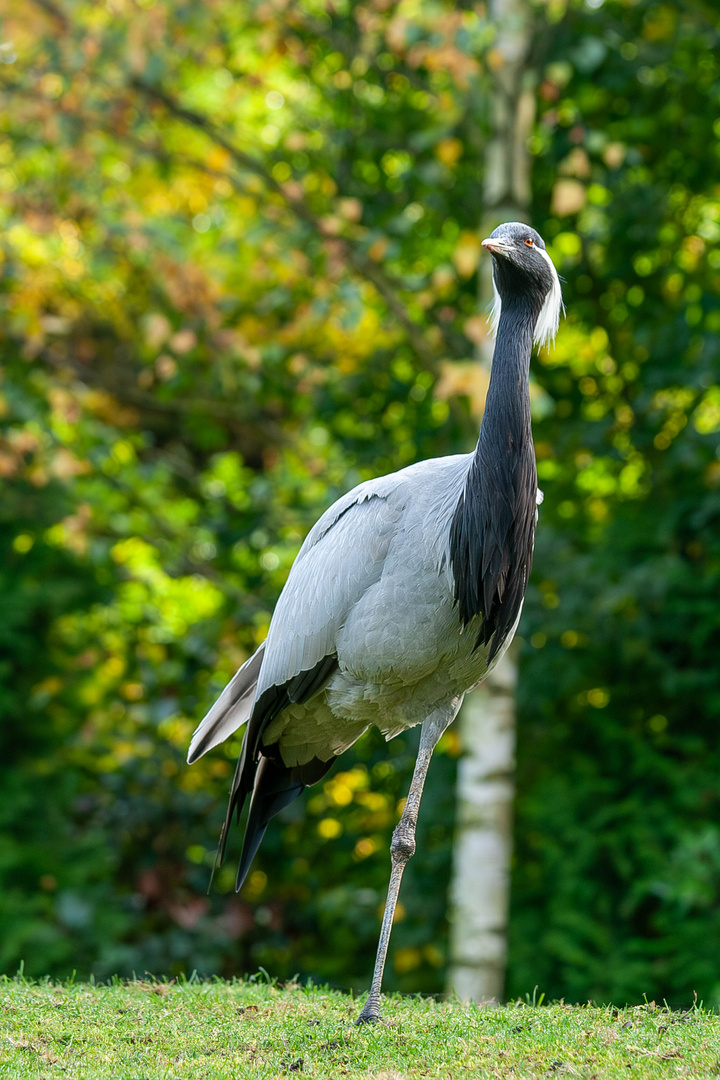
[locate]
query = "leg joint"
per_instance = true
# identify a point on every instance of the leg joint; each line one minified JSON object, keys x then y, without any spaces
{"x":402,"y":846}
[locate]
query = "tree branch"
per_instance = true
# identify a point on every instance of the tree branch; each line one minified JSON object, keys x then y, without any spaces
{"x":56,"y":12}
{"x":360,"y":262}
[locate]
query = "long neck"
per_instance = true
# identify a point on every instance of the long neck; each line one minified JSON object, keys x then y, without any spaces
{"x":506,"y":423}
{"x":493,"y":527}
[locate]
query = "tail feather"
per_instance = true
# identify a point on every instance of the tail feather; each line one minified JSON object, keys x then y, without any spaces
{"x":231,"y":709}
{"x":260,"y":771}
{"x":275,"y":787}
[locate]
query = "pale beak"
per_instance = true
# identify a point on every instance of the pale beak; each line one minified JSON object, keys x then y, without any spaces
{"x":497,"y":246}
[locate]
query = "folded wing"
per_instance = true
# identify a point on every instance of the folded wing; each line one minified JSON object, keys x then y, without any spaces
{"x":342,"y":557}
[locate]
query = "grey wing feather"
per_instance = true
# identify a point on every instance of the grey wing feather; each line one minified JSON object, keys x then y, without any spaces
{"x":329,"y":575}
{"x":342,"y":557}
{"x":231,"y":709}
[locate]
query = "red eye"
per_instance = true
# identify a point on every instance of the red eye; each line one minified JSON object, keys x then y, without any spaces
{"x":529,"y":243}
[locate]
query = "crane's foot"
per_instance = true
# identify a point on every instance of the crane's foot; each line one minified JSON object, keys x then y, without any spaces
{"x":367,"y":1018}
{"x":370,"y":1013}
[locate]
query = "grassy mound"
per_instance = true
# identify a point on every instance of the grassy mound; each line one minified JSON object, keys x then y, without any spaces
{"x":219,"y":1031}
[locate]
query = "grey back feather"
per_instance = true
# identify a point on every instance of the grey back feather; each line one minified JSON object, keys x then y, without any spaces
{"x":341,"y":559}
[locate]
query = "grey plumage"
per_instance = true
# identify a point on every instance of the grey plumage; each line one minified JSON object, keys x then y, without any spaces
{"x":231,"y":709}
{"x":372,"y":585}
{"x":405,"y":593}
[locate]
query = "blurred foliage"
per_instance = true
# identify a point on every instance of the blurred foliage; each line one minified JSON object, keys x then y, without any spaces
{"x":618,"y":857}
{"x":239,"y":250}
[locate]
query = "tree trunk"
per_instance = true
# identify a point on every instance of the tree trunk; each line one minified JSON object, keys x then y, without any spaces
{"x":479,"y":894}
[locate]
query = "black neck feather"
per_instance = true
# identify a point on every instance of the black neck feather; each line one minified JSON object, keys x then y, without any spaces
{"x":493,"y":528}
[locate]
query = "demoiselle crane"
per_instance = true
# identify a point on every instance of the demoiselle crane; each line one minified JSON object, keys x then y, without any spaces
{"x":404,"y":595}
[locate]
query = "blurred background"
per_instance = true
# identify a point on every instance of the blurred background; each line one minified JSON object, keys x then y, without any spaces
{"x":240,"y":251}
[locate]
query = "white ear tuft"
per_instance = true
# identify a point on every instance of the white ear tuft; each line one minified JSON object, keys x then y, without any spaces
{"x":549,"y":318}
{"x":496,"y":308}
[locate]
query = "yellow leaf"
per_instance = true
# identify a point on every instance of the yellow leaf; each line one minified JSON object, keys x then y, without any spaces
{"x":568,"y":197}
{"x":378,"y":248}
{"x":407,"y":960}
{"x":577,"y":163}
{"x":467,"y":378}
{"x":467,"y":253}
{"x":449,"y":151}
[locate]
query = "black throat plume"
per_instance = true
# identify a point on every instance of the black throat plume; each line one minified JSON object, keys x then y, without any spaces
{"x":493,"y":528}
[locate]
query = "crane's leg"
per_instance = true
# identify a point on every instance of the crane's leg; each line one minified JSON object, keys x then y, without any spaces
{"x":402,"y":848}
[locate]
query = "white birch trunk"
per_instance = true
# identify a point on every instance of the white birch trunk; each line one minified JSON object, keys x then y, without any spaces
{"x":479,"y":893}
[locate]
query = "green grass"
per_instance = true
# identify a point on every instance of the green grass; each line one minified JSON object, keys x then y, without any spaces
{"x":209,"y":1030}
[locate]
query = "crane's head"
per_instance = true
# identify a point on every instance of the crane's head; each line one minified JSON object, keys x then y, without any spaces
{"x":522,"y":267}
